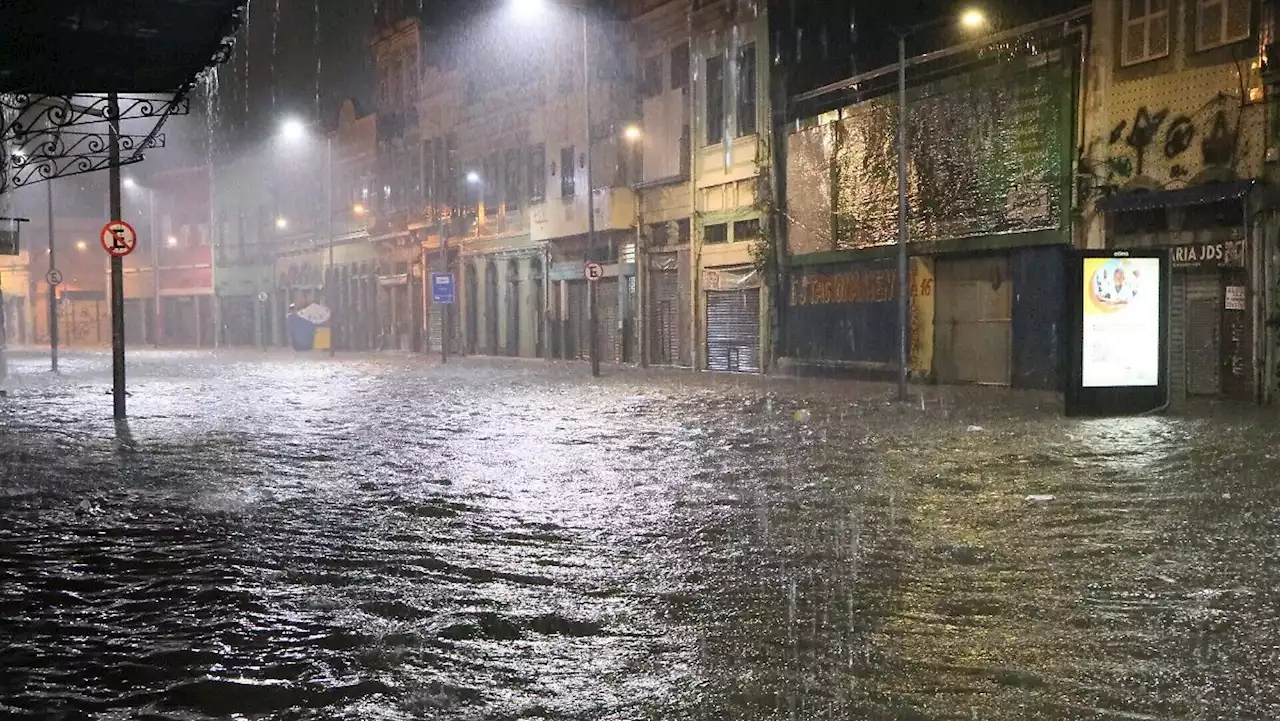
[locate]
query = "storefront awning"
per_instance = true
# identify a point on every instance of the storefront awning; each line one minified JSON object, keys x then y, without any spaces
{"x":1182,"y":197}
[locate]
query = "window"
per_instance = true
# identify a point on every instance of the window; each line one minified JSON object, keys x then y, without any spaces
{"x":715,"y":99}
{"x":566,"y":172}
{"x":651,"y":79}
{"x":680,"y":66}
{"x":718,"y":233}
{"x":1221,"y":22}
{"x":746,"y":90}
{"x":746,"y":230}
{"x":682,"y":231}
{"x":1146,"y":31}
{"x":537,"y":173}
{"x":511,"y":198}
{"x":657,"y":234}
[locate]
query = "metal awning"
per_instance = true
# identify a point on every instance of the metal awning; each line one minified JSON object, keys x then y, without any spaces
{"x":1193,"y":195}
{"x":63,"y":47}
{"x":69,"y":69}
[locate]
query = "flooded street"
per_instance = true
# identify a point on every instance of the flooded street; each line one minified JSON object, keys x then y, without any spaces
{"x":274,"y":537}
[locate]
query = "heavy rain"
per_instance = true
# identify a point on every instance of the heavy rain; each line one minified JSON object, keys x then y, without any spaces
{"x":773,"y":360}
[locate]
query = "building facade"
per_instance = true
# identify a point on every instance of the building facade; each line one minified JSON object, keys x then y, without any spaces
{"x":990,"y":143}
{"x":1176,"y":157}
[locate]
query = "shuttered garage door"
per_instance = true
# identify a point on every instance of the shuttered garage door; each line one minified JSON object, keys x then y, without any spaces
{"x":1203,"y":337}
{"x":607,"y":307}
{"x":664,"y":323}
{"x":577,"y":340}
{"x":733,"y":330}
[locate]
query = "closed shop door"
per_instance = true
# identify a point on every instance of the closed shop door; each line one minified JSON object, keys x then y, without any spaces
{"x":610,"y":334}
{"x":973,"y":321}
{"x":1203,"y":337}
{"x":576,"y":322}
{"x":1178,"y":337}
{"x":733,"y":331}
{"x":664,"y":317}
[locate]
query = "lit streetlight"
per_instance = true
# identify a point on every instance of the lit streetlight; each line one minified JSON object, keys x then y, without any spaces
{"x":130,"y":184}
{"x":473,"y":177}
{"x":172,"y":241}
{"x":359,"y":209}
{"x":632,"y":133}
{"x":973,"y":19}
{"x":294,"y":130}
{"x":81,"y":245}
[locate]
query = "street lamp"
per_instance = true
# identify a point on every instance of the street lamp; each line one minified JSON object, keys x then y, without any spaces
{"x":293,"y":130}
{"x":282,"y":223}
{"x":172,"y":241}
{"x":359,"y":209}
{"x":473,"y":177}
{"x":81,"y":245}
{"x":973,"y":20}
{"x":632,"y":133}
{"x":528,"y":8}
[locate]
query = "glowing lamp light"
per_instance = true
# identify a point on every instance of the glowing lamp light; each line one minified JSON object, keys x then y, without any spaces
{"x":282,"y":223}
{"x":473,"y":177}
{"x":171,"y":241}
{"x":631,"y":132}
{"x":973,"y":19}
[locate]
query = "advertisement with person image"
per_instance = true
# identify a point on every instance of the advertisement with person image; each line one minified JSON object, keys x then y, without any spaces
{"x":1121,"y":332}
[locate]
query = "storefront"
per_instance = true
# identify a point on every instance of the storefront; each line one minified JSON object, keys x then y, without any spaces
{"x":1214,"y":304}
{"x":732,"y":321}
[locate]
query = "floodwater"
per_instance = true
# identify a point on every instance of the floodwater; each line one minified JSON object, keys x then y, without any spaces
{"x":273,"y":537}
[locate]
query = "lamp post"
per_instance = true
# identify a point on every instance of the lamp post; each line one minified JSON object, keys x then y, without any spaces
{"x":973,"y":20}
{"x":633,"y":134}
{"x":529,"y":7}
{"x":294,"y":130}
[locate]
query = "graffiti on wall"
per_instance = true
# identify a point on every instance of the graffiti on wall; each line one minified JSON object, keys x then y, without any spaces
{"x":1158,"y":148}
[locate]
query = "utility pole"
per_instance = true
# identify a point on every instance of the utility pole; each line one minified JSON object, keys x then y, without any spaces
{"x":903,"y":319}
{"x":117,"y":266}
{"x":330,"y":281}
{"x":53,"y":288}
{"x":593,"y":317}
{"x":444,"y":256}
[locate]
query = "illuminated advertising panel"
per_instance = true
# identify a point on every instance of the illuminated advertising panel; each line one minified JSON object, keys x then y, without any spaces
{"x":1121,"y":324}
{"x":1120,"y":333}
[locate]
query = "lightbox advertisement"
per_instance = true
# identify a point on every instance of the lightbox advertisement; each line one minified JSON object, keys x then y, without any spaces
{"x":1121,"y":323}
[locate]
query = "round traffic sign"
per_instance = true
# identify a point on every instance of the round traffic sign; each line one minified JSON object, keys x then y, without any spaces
{"x":53,"y":277}
{"x":593,"y":270}
{"x":119,"y":238}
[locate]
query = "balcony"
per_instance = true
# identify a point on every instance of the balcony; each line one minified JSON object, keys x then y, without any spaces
{"x":562,"y":217}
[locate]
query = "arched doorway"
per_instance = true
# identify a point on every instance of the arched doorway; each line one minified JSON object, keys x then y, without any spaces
{"x":513,"y":307}
{"x":472,"y":308}
{"x":491,"y":308}
{"x":539,"y":305}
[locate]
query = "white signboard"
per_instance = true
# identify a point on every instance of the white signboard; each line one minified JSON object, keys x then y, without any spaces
{"x":1235,"y":297}
{"x":1121,"y":322}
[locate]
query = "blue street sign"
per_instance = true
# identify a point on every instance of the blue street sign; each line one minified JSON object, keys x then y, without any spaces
{"x":442,"y":289}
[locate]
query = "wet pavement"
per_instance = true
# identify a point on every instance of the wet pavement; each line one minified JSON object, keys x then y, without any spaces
{"x":273,"y":537}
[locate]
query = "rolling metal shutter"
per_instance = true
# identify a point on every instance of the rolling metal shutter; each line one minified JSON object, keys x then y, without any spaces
{"x":664,"y":317}
{"x":607,"y":307}
{"x":1203,"y":335}
{"x":1178,"y":337}
{"x":576,"y":322}
{"x":733,"y":330}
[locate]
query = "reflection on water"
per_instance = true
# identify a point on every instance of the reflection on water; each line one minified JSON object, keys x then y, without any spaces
{"x":292,"y":539}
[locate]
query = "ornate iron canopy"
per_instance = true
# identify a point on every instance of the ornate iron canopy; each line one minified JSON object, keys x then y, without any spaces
{"x":59,"y":60}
